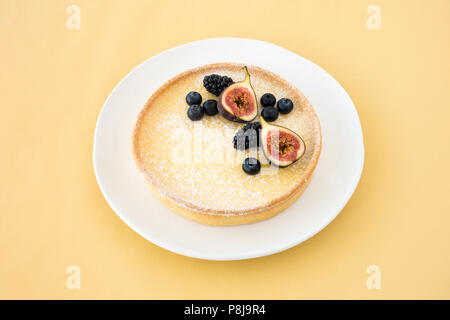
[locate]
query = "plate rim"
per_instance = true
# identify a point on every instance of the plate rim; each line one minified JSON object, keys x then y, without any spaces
{"x":247,"y":255}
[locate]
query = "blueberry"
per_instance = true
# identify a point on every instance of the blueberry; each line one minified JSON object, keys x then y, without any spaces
{"x":210,"y":107}
{"x":195,"y":112}
{"x":251,"y":166}
{"x":285,"y":105}
{"x":193,"y":98}
{"x":270,"y":114}
{"x":268,"y":100}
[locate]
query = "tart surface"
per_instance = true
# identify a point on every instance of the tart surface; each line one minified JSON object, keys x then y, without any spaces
{"x":194,"y":169}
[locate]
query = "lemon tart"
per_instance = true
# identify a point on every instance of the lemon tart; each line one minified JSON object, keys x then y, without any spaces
{"x":192,"y":166}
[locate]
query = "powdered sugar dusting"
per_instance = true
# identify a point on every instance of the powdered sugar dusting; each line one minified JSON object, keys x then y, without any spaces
{"x":195,"y":164}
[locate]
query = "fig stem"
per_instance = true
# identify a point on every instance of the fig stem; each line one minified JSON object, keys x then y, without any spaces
{"x":247,"y":74}
{"x":247,"y":79}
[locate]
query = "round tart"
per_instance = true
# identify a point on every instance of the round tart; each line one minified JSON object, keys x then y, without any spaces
{"x":193,"y":167}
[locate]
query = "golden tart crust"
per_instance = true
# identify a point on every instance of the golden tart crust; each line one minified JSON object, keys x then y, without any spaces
{"x":192,"y":166}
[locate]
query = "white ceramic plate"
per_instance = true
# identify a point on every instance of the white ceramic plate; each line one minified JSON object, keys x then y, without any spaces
{"x":334,"y":181}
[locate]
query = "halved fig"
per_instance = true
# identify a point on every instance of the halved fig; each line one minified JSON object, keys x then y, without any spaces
{"x":281,"y":146}
{"x":238,"y":102}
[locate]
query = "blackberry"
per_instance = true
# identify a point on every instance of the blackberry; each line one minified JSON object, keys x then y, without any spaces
{"x":247,"y":137}
{"x":252,"y":125}
{"x":215,"y":84}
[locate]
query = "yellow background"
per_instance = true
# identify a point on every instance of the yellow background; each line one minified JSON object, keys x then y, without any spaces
{"x":54,"y":81}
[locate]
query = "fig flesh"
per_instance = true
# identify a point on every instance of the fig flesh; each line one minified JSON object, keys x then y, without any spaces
{"x":238,"y":102}
{"x":281,"y":146}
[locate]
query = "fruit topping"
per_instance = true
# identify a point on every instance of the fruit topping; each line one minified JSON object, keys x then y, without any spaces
{"x":268,"y":100}
{"x":281,"y":146}
{"x":238,"y":101}
{"x":215,"y":84}
{"x":193,"y":98}
{"x":285,"y":105}
{"x":269,"y":114}
{"x":251,"y":166}
{"x":253,"y":125}
{"x":195,"y":112}
{"x":247,"y":137}
{"x":210,"y":107}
